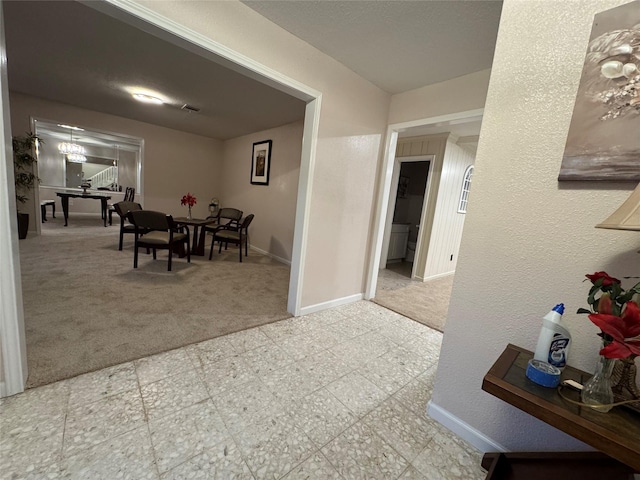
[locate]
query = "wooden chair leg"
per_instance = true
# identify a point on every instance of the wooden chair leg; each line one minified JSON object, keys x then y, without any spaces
{"x":121,"y":240}
{"x":211,"y":250}
{"x":170,"y":257}
{"x":135,"y":255}
{"x":154,"y":254}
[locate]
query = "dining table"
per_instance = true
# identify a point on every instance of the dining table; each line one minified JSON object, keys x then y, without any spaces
{"x":197,"y":244}
{"x":65,"y":196}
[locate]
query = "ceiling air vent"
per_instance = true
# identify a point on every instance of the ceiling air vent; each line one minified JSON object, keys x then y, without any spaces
{"x":189,"y":108}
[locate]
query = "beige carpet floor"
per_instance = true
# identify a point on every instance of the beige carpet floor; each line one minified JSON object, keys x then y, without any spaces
{"x":86,"y":308}
{"x":425,"y":302}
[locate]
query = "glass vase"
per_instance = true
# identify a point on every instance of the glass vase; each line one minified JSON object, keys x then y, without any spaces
{"x":597,"y":391}
{"x":189,"y":213}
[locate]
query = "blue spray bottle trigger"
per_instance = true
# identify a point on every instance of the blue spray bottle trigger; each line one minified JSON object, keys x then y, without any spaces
{"x":559,"y":308}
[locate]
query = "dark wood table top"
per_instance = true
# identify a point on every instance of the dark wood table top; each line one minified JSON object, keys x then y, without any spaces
{"x":83,"y":195}
{"x":194,"y":221}
{"x":616,"y":433}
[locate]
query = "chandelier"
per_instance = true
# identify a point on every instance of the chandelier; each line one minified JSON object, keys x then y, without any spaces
{"x":67,"y":148}
{"x":73,"y":151}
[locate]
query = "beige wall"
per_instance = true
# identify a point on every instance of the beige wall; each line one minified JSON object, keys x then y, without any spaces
{"x":352,"y":119}
{"x":174,"y":162}
{"x":273,"y":205}
{"x":528,"y":241}
{"x":458,"y":95}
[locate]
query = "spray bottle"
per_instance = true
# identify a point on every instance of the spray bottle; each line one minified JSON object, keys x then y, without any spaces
{"x":554,"y":340}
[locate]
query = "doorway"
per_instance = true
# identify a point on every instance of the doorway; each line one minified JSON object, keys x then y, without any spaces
{"x":407,"y":209}
{"x":457,"y":128}
{"x":13,"y":349}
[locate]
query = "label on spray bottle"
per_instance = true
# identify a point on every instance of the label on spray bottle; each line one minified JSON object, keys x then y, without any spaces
{"x":558,"y":350}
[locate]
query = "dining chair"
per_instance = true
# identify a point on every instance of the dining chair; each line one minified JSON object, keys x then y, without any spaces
{"x":122,"y":208}
{"x":161,"y":234}
{"x":230,"y":234}
{"x":229,"y":217}
{"x":129,"y":196}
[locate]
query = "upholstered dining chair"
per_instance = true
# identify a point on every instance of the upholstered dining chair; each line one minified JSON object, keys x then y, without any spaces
{"x":122,"y":208}
{"x":161,"y":233}
{"x":229,"y":217}
{"x":129,"y":196}
{"x":231,"y":234}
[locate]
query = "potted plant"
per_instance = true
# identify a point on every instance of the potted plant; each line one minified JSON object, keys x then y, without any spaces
{"x":25,"y":179}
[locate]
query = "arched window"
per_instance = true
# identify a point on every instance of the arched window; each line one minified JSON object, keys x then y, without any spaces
{"x":466,"y":186}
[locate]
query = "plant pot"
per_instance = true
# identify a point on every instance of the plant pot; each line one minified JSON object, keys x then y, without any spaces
{"x":23,"y":225}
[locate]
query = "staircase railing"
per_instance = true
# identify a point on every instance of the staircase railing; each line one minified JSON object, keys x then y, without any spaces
{"x":103,"y":178}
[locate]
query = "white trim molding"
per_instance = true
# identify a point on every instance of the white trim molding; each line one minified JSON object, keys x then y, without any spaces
{"x":318,"y":307}
{"x":463,"y":429}
{"x":270,"y":255}
{"x":13,"y":345}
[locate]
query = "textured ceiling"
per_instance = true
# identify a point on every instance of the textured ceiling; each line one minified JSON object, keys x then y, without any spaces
{"x":397,"y":45}
{"x":70,"y":53}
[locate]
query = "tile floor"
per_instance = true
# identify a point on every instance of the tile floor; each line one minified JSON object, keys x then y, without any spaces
{"x":340,"y":394}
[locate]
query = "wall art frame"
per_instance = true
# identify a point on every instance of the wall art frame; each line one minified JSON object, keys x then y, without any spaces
{"x":603,"y":141}
{"x":261,"y":162}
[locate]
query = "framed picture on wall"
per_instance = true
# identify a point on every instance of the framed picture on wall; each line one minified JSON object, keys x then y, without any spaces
{"x":603,"y":141}
{"x":261,"y":163}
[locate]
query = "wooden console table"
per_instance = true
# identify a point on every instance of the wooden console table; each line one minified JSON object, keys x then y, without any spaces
{"x":616,"y":433}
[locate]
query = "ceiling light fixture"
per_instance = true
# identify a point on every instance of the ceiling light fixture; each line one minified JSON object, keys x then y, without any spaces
{"x":67,"y":148}
{"x":146,"y":98}
{"x":70,"y":127}
{"x":70,"y":148}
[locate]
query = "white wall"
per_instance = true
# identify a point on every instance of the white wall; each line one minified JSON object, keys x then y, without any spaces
{"x":353,"y":117}
{"x":273,"y":205}
{"x":447,"y":222}
{"x":528,"y":241}
{"x":175,"y":162}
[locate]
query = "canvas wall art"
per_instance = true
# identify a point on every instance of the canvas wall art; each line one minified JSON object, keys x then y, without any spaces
{"x":604,"y":135}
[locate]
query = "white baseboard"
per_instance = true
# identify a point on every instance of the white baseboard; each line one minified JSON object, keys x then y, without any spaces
{"x":440,"y":275}
{"x":463,"y":430}
{"x":330,"y":304}
{"x":271,"y":255}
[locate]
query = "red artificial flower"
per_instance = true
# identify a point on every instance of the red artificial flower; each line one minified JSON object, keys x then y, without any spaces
{"x":606,"y":279}
{"x":188,"y":199}
{"x":624,"y":331}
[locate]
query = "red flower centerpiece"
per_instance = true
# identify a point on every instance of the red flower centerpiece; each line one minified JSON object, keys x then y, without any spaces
{"x":618,"y":317}
{"x":190,"y":201}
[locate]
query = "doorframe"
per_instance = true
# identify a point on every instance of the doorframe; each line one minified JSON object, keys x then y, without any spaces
{"x":384,"y":188}
{"x":13,"y":353}
{"x":13,"y":347}
{"x":395,"y":180}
